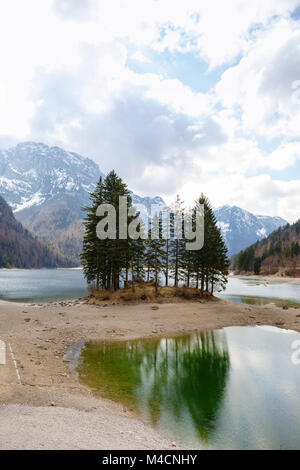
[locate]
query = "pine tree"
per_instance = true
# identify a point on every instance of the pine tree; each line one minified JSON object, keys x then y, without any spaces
{"x":210,"y":264}
{"x":137,"y":261}
{"x":154,"y":251}
{"x":218,"y":270}
{"x":166,"y":233}
{"x":93,"y":252}
{"x":118,"y":250}
{"x":136,"y":251}
{"x":177,"y":240}
{"x":187,"y":263}
{"x":111,"y":257}
{"x":104,"y":260}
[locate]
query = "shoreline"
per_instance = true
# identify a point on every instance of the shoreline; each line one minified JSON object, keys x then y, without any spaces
{"x":51,"y":409}
{"x":268,"y":278}
{"x":41,"y":269}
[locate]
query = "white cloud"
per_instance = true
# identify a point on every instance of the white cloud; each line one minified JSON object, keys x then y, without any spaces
{"x":78,"y":10}
{"x":142,"y":125}
{"x":139,"y":57}
{"x":65,"y":80}
{"x":284,"y":156}
{"x":263,"y":88}
{"x":259,"y":194}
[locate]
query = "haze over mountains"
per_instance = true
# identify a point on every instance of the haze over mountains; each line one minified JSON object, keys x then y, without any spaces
{"x":48,"y":186}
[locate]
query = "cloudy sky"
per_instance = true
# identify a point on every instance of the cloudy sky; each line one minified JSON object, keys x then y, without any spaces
{"x":178,"y":96}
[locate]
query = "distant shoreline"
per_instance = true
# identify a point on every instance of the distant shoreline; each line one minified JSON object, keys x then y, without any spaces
{"x":268,"y":278}
{"x":40,"y":269}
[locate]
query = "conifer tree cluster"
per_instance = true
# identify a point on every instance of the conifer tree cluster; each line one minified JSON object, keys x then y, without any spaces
{"x":164,"y":260}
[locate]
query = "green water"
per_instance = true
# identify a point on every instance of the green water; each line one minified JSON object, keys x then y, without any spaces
{"x":267,"y":300}
{"x":235,"y":388}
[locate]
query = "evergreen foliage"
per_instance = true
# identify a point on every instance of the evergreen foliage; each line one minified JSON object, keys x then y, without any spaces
{"x":280,"y":248}
{"x":112,"y":263}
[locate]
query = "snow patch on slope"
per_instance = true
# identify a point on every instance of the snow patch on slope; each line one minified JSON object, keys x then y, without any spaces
{"x":36,"y":200}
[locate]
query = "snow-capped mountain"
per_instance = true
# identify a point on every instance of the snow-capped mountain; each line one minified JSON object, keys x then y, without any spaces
{"x":47,"y":188}
{"x":241,"y":228}
{"x":147,"y":201}
{"x":32,"y":174}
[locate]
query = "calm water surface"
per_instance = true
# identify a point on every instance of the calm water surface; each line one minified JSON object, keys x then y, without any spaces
{"x":41,"y":284}
{"x":235,"y":388}
{"x":51,"y":284}
{"x":253,"y":291}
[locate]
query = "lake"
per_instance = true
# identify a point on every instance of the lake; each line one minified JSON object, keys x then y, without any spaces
{"x":260,"y":291}
{"x":52,"y":284}
{"x":235,"y":388}
{"x":41,"y":284}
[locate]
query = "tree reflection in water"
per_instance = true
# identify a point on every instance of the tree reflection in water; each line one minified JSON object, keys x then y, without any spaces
{"x":182,"y":378}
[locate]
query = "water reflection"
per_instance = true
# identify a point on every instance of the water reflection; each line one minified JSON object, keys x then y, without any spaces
{"x":172,"y":381}
{"x":235,"y":388}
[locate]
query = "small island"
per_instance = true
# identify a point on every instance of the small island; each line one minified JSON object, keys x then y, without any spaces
{"x":151,"y":299}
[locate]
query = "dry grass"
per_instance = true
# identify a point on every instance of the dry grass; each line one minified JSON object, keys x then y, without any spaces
{"x":145,"y":293}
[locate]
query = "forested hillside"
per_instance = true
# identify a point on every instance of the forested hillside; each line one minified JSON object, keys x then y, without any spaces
{"x":20,"y":249}
{"x":277,"y":253}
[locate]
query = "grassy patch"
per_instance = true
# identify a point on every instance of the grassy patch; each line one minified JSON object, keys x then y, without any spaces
{"x":145,"y":292}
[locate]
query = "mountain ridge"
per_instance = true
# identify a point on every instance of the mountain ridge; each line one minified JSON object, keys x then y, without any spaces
{"x":241,"y":228}
{"x":34,"y":173}
{"x":279,"y":253}
{"x":48,"y":186}
{"x":20,"y":249}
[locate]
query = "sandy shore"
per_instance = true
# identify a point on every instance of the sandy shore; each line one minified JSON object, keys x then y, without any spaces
{"x":42,"y":405}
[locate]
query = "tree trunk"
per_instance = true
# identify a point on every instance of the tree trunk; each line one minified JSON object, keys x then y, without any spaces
{"x":156,"y":275}
{"x":132,"y":279}
{"x":167,"y":263}
{"x":202,"y":281}
{"x":176,"y":266}
{"x":207,"y":282}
